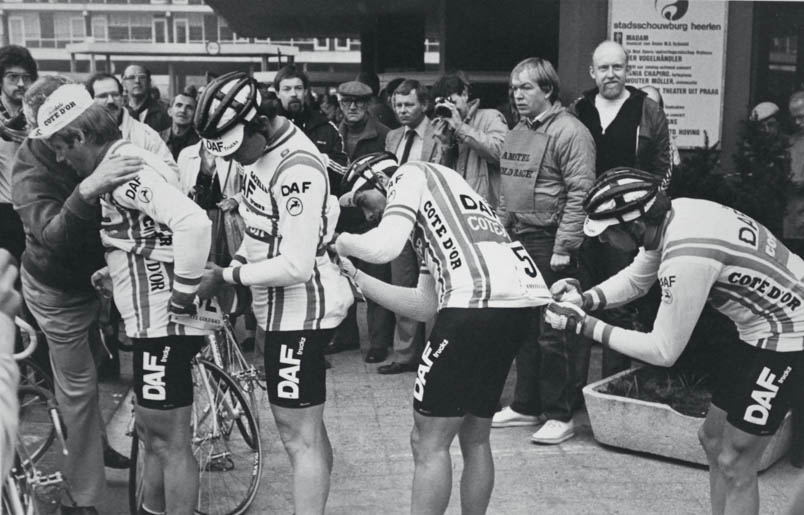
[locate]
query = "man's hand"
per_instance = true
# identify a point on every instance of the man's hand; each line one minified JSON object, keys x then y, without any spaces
{"x":102,"y":282}
{"x":565,"y":316}
{"x":110,"y":174}
{"x":340,"y":248}
{"x":227,"y":204}
{"x":347,"y":267}
{"x":559,"y":261}
{"x":10,"y":300}
{"x":567,"y":290}
{"x":182,"y":304}
{"x":443,"y":132}
{"x":211,"y":282}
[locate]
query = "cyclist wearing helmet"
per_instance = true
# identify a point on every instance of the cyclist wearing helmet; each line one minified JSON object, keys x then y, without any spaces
{"x":700,"y":251}
{"x":299,"y":294}
{"x":481,"y":285}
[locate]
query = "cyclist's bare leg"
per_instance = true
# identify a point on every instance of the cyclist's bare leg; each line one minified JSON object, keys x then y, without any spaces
{"x":710,"y":434}
{"x":306,"y":441}
{"x":432,"y":476}
{"x":153,"y":482}
{"x":477,"y":479}
{"x":168,"y":434}
{"x":797,"y":505}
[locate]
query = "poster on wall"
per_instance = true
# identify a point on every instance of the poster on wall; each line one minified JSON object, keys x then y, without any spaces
{"x":679,"y":47}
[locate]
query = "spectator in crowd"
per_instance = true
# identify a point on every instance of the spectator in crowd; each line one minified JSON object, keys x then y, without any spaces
{"x":181,"y":133}
{"x":412,"y":141}
{"x":766,"y":114}
{"x":796,"y":110}
{"x":107,"y":90}
{"x":547,"y":167}
{"x":293,"y":90}
{"x":10,"y":302}
{"x":378,"y":108}
{"x":60,"y":212}
{"x":617,"y":116}
{"x":471,"y":138}
{"x":387,"y":96}
{"x":331,"y":109}
{"x":143,"y":99}
{"x":18,"y":70}
{"x":363,"y":134}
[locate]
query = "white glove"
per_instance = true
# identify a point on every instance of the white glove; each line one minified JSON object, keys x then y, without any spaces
{"x":567,"y":290}
{"x":565,"y":316}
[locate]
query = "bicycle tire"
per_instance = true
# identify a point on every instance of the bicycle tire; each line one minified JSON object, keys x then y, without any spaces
{"x":33,"y":374}
{"x":229,"y":472}
{"x":36,"y":430}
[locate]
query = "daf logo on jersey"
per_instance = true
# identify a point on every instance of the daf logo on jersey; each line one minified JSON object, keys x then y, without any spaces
{"x":153,"y":378}
{"x":145,"y":195}
{"x":287,"y":189}
{"x":666,"y":283}
{"x":763,"y":396}
{"x":424,"y":368}
{"x":487,"y":221}
{"x":132,"y":187}
{"x":294,"y":206}
{"x":288,"y":387}
{"x":445,"y":239}
{"x":771,"y":291}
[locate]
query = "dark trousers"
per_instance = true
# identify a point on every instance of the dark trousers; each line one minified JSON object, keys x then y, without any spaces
{"x":545,"y":364}
{"x":12,"y":236}
{"x":380,"y":321}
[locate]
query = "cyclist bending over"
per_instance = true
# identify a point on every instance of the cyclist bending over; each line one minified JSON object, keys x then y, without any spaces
{"x":157,"y":241}
{"x":9,"y":375}
{"x":700,"y":251}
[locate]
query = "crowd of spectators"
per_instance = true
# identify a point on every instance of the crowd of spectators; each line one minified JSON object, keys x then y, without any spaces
{"x":533,"y":165}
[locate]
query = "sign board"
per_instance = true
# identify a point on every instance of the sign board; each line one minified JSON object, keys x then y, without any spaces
{"x":679,"y":47}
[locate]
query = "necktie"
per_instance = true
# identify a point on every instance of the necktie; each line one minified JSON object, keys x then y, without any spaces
{"x":410,"y":135}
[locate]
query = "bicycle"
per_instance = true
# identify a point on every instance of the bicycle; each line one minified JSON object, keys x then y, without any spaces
{"x":39,"y":424}
{"x":225,"y":441}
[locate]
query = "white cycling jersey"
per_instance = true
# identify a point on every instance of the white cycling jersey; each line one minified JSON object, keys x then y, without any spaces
{"x":459,"y":239}
{"x":713,"y":253}
{"x":157,"y":240}
{"x":290,"y":218}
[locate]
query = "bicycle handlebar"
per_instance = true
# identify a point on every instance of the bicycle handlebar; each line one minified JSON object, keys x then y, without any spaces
{"x":26,"y":328}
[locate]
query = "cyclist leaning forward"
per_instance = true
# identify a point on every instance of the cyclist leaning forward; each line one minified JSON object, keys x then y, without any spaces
{"x":701,"y":252}
{"x":483,"y":288}
{"x":299,"y":294}
{"x":157,"y":241}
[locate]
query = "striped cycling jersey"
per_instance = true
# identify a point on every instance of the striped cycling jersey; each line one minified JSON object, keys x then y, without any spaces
{"x":715,"y":253}
{"x":461,"y":242}
{"x":157,"y":241}
{"x":290,"y":217}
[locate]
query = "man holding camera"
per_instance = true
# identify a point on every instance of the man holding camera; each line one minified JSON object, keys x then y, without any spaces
{"x":471,"y":138}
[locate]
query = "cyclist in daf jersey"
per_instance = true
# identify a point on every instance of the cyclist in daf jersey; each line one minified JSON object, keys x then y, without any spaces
{"x":299,"y":294}
{"x":156,"y":241}
{"x":700,"y":252}
{"x":10,"y":302}
{"x":482,"y":287}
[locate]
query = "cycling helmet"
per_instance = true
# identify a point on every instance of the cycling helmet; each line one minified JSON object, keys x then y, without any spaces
{"x":620,"y":195}
{"x":226,"y":105}
{"x":363,"y":174}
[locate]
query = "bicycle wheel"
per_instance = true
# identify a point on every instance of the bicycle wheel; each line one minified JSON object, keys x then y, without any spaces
{"x":36,"y":431}
{"x":32,"y":374}
{"x":242,"y":371}
{"x":226,"y":443}
{"x":229,"y":462}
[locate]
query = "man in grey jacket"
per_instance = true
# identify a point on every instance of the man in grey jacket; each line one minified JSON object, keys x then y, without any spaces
{"x":547,"y":166}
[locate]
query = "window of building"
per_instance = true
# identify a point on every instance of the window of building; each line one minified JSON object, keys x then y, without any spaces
{"x":342,"y":43}
{"x":99,"y":28}
{"x":196,"y":29}
{"x":77,"y":29}
{"x":430,"y":45}
{"x":780,"y":52}
{"x":224,"y":32}
{"x":321,"y":44}
{"x":16,"y":30}
{"x":180,"y":30}
{"x":141,"y":27}
{"x":160,"y":34}
{"x":130,"y":27}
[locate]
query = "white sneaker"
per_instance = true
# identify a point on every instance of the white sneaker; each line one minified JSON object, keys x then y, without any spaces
{"x":507,"y":417}
{"x":554,"y":432}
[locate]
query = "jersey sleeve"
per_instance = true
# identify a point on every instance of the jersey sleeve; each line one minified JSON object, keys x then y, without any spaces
{"x":628,"y":284}
{"x":300,"y":192}
{"x":405,"y":192}
{"x":191,"y":228}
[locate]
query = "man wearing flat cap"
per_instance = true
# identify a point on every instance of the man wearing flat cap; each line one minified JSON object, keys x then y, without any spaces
{"x":766,"y":114}
{"x":363,"y":134}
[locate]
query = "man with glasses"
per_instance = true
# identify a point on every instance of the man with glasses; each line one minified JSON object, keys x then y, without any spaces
{"x":141,"y":102}
{"x":18,"y":70}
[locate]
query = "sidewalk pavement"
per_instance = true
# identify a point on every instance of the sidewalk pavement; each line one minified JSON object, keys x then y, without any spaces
{"x":369,"y":418}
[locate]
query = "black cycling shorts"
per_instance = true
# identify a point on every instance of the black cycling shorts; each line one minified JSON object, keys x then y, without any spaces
{"x":163,"y":377}
{"x":755,"y":387}
{"x":466,"y":361}
{"x":295,"y":369}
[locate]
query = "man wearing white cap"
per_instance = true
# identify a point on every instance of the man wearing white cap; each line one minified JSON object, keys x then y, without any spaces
{"x":300,"y":297}
{"x":156,"y":241}
{"x":765,"y":113}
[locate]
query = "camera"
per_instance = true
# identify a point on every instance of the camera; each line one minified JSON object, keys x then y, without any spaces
{"x":442,"y":109}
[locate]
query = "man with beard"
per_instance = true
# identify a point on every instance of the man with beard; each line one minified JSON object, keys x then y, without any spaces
{"x":293,"y":90}
{"x":181,"y":133}
{"x":142,"y":104}
{"x":107,"y":90}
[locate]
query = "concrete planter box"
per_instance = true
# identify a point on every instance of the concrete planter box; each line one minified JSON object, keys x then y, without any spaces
{"x":657,"y":428}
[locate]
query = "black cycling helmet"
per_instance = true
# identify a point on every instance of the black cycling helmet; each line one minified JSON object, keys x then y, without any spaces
{"x":227,"y":103}
{"x":620,"y":195}
{"x":364,"y":173}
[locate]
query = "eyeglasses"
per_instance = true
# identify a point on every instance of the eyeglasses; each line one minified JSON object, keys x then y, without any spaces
{"x":348,"y":102}
{"x":141,"y":77}
{"x":15,"y":77}
{"x":112,"y":94}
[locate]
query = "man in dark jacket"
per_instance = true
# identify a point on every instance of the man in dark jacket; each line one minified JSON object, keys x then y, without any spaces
{"x":629,"y":129}
{"x":293,"y":90}
{"x":141,"y":102}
